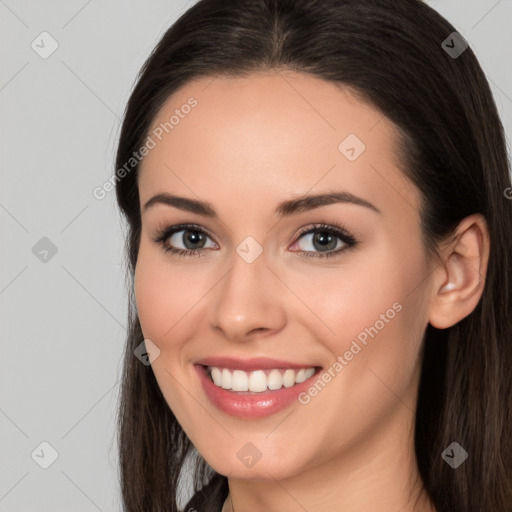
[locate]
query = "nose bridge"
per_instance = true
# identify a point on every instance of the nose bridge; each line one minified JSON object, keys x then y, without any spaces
{"x":246,"y":297}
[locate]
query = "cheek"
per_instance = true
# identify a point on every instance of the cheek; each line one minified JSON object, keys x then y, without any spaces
{"x":376,"y":311}
{"x":172,"y":298}
{"x":150,"y":297}
{"x":163,"y":293}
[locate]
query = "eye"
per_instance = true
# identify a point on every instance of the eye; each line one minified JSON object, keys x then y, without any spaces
{"x":192,"y":237}
{"x":324,"y":238}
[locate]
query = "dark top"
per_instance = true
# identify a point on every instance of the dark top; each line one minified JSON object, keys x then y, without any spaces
{"x":211,"y":497}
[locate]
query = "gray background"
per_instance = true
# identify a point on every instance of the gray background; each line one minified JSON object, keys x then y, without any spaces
{"x":63,"y":318}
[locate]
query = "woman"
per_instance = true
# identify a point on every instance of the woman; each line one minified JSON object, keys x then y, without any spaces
{"x":318,"y":248}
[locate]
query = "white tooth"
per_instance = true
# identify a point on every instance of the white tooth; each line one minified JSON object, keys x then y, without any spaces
{"x":240,"y":381}
{"x":257,"y":381}
{"x":309,"y":372}
{"x":289,"y":378}
{"x":226,"y":379}
{"x":274,"y":380}
{"x":301,"y":376}
{"x":216,"y":376}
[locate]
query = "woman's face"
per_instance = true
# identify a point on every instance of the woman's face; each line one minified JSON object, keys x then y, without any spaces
{"x":261,"y":284}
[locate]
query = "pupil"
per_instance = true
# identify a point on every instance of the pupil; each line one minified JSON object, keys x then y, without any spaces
{"x":324,"y":240}
{"x":194,"y":237}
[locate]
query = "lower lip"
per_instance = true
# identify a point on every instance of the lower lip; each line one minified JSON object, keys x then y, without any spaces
{"x":246,"y":404}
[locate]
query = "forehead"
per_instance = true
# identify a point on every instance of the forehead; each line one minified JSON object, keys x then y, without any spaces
{"x":276,"y":133}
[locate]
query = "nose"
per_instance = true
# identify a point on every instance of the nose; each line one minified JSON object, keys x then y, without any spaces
{"x":249,"y":301}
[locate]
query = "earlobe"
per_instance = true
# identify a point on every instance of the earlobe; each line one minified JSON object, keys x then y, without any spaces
{"x":460,"y":280}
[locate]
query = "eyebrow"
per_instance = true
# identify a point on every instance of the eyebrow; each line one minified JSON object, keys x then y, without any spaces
{"x":286,"y":208}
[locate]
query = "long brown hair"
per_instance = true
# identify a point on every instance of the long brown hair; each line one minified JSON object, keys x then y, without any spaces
{"x":452,"y":148}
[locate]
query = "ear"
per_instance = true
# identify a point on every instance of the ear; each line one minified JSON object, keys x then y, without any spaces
{"x":459,"y":278}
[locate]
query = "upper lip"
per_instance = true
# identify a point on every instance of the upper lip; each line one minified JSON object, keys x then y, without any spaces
{"x":257,"y":363}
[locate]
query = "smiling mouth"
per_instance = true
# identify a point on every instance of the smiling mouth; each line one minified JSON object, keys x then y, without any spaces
{"x":258,"y":381}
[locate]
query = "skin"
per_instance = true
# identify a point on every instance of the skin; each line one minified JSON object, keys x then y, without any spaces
{"x":249,"y":144}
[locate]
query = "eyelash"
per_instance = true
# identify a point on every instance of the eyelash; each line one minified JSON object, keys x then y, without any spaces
{"x":331,"y":229}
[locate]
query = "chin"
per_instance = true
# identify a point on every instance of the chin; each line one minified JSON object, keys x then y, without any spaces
{"x":240,"y":465}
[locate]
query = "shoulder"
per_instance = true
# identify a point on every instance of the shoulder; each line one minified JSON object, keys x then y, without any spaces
{"x":211,"y":497}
